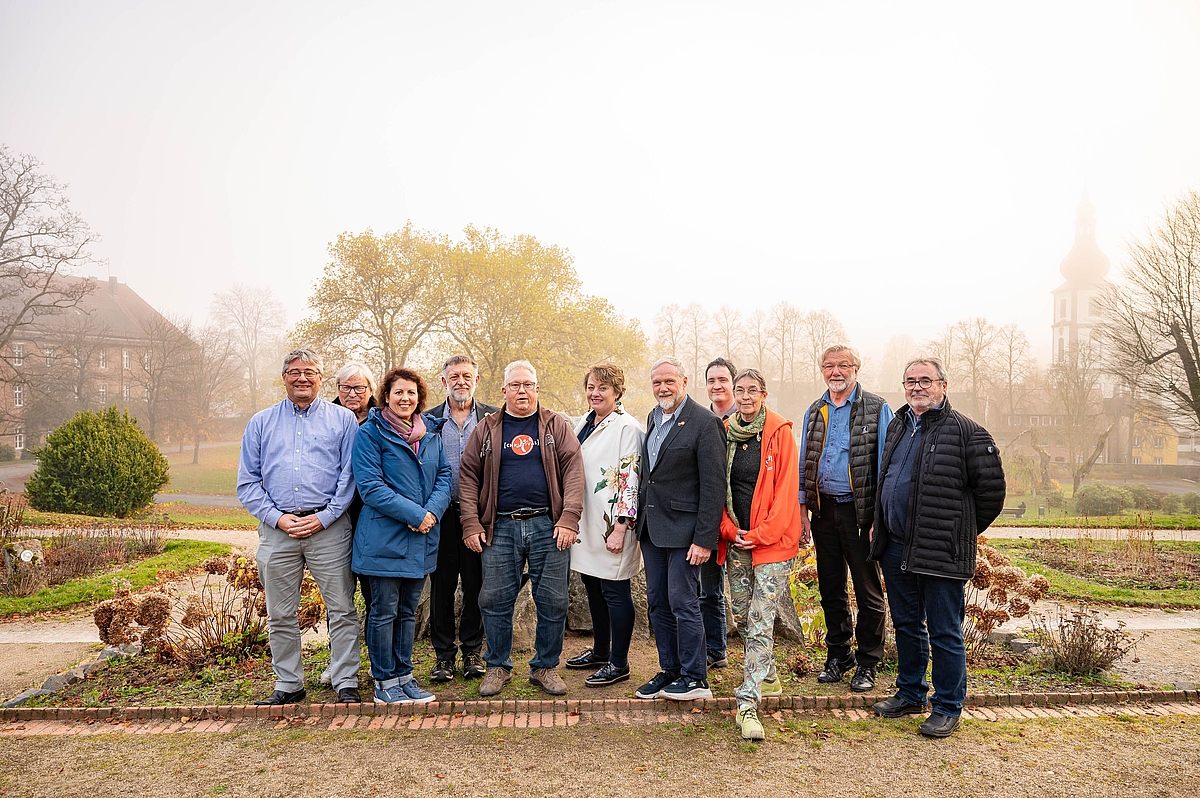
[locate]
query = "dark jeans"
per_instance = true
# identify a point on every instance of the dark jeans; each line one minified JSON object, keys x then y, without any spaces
{"x":712,"y":606}
{"x":611,"y":603}
{"x":515,"y":543}
{"x":455,"y":560}
{"x":916,"y":600}
{"x":840,"y":546}
{"x":672,"y":596}
{"x":391,"y":626}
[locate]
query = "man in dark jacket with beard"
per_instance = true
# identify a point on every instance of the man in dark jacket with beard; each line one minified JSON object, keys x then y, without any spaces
{"x":942,"y":484}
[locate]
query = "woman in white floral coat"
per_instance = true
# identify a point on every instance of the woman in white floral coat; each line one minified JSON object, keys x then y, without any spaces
{"x":607,"y":554}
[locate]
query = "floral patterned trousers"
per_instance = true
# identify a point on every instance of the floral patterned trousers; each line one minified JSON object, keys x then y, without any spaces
{"x":753,"y":592}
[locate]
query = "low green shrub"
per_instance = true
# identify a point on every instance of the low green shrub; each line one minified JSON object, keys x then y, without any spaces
{"x":1098,"y":499}
{"x":97,"y":464}
{"x":7,"y":453}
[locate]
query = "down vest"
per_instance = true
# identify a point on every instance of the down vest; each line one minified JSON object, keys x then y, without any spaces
{"x":957,"y":491}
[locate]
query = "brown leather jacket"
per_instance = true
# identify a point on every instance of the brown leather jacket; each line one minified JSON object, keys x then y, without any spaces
{"x":479,"y":473}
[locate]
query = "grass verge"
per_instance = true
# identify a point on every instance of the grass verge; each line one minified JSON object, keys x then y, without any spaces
{"x":177,"y":514}
{"x":180,"y":556}
{"x":1065,"y":587}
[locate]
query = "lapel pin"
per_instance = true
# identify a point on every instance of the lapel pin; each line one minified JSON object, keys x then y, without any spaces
{"x":681,"y":423}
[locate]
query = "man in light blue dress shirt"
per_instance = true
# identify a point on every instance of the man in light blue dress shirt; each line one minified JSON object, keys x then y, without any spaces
{"x":294,"y":476}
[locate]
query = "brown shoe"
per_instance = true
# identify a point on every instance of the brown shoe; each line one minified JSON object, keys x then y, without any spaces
{"x":549,"y":680}
{"x":494,"y":681}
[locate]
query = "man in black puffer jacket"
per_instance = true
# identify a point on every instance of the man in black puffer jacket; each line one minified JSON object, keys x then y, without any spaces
{"x":942,"y":484}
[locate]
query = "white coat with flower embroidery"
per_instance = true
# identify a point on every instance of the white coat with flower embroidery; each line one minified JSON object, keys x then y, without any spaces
{"x":611,"y":466}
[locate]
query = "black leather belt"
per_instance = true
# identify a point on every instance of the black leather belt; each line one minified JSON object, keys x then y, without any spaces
{"x":827,"y":497}
{"x":525,"y":513}
{"x":303,"y":513}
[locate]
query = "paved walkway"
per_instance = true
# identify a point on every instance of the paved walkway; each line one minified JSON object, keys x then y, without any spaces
{"x":634,"y":716}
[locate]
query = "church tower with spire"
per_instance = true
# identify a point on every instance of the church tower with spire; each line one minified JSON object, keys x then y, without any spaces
{"x":1077,"y":302}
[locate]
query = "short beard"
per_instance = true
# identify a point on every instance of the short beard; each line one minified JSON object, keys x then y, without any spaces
{"x":460,"y":404}
{"x":668,"y":405}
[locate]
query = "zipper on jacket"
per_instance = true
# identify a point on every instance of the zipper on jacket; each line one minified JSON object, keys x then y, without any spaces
{"x":910,"y":533}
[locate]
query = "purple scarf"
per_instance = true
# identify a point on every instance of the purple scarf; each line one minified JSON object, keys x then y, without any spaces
{"x":412,"y":430}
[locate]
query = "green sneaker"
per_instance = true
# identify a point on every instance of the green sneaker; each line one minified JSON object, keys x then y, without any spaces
{"x":751,"y":726}
{"x":771,"y":688}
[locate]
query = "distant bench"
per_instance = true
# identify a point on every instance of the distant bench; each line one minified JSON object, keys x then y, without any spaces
{"x":1015,"y":512}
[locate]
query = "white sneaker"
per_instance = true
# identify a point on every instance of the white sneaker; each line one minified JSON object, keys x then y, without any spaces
{"x":326,"y":678}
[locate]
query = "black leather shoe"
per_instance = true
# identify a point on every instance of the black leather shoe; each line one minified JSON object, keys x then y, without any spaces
{"x":586,"y":661}
{"x":835,"y":670}
{"x":863,"y":680}
{"x":897,"y":707}
{"x":939,"y":725}
{"x":443,"y":671}
{"x":282,"y":697}
{"x":609,"y":674}
{"x":349,"y":695}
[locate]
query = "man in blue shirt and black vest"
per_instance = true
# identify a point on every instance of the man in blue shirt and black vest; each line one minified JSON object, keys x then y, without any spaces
{"x":840,"y":453}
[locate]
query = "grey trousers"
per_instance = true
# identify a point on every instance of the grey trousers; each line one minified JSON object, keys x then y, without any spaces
{"x":281,"y":560}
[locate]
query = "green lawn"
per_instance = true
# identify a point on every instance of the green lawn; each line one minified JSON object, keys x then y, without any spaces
{"x":179,"y":556}
{"x":1065,"y":516}
{"x":214,"y":475}
{"x":178,"y":514}
{"x":1065,"y":587}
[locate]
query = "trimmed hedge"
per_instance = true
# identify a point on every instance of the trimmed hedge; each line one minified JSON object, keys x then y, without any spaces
{"x":97,"y":464}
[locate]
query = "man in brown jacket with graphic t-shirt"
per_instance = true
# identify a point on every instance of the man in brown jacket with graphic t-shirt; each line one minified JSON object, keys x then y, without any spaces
{"x":520,"y":491}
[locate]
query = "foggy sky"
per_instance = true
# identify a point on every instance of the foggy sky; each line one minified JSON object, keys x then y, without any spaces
{"x":903,"y":165}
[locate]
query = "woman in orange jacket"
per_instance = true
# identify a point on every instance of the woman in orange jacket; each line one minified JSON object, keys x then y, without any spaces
{"x":760,"y":535}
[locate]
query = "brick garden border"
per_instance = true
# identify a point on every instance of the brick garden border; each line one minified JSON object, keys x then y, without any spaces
{"x":570,"y":707}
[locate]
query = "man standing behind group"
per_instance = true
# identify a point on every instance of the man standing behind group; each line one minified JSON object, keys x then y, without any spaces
{"x":520,"y":490}
{"x":455,"y":419}
{"x":682,"y":494}
{"x":718,"y":380}
{"x":294,"y":476}
{"x":840,"y":452}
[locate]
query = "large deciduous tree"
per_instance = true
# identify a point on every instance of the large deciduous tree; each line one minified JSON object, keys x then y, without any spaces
{"x":381,"y":297}
{"x":252,"y":318}
{"x":1152,"y":329}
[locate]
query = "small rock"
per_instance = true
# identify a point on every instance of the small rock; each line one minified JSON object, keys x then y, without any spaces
{"x":1002,"y":638}
{"x":16,"y":701}
{"x":130,"y":649}
{"x":110,"y":652}
{"x":58,"y":681}
{"x":1022,"y":645}
{"x":93,"y":667}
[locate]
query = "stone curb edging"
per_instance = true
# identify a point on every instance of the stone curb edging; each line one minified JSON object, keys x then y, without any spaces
{"x":231,"y":712}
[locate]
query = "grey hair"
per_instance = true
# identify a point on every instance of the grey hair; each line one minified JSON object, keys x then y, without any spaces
{"x":306,"y":355}
{"x":753,"y":374}
{"x":356,"y":369}
{"x":841,"y":348}
{"x":669,"y":361}
{"x":519,"y":364}
{"x":928,"y":361}
{"x":456,"y":360}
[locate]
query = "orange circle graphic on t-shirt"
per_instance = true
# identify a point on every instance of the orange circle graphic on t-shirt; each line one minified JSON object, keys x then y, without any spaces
{"x":522,"y":445}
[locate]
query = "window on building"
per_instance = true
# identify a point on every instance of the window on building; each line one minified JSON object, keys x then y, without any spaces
{"x":76,"y":387}
{"x":1062,"y":349}
{"x":18,"y":395}
{"x":125,"y":359}
{"x":1137,"y":441}
{"x":103,"y":390}
{"x":1159,"y":441}
{"x":1046,"y":421}
{"x":1062,"y":308}
{"x":103,"y":359}
{"x":49,"y":356}
{"x":1137,"y":461}
{"x":18,"y":354}
{"x":125,"y":392}
{"x":1058,"y":421}
{"x":1158,"y":461}
{"x":19,"y":439}
{"x":1033,"y":421}
{"x":1094,"y":308}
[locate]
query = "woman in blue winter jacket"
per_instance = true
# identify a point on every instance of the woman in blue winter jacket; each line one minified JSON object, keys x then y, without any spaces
{"x":403,"y":477}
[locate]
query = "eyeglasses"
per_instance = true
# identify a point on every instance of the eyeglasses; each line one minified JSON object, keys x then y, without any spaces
{"x":521,"y":386}
{"x":357,"y":390}
{"x":840,"y":366}
{"x":295,"y":374}
{"x":751,"y":391}
{"x":924,"y":382}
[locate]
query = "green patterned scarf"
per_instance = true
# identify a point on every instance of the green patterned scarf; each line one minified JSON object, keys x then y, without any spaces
{"x":737,"y":432}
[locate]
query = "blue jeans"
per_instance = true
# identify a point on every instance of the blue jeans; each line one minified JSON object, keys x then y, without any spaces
{"x":673,"y":601}
{"x":391,"y":624}
{"x":712,"y":606}
{"x":917,"y":600}
{"x":515,"y":543}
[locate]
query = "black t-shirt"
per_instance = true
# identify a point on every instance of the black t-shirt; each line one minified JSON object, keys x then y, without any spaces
{"x":743,"y":477}
{"x":522,"y":476}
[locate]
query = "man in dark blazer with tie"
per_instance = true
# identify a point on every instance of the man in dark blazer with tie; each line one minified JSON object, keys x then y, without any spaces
{"x":681,"y":494}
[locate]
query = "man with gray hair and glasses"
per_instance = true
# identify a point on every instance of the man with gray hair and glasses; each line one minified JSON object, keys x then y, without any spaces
{"x":294,"y":476}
